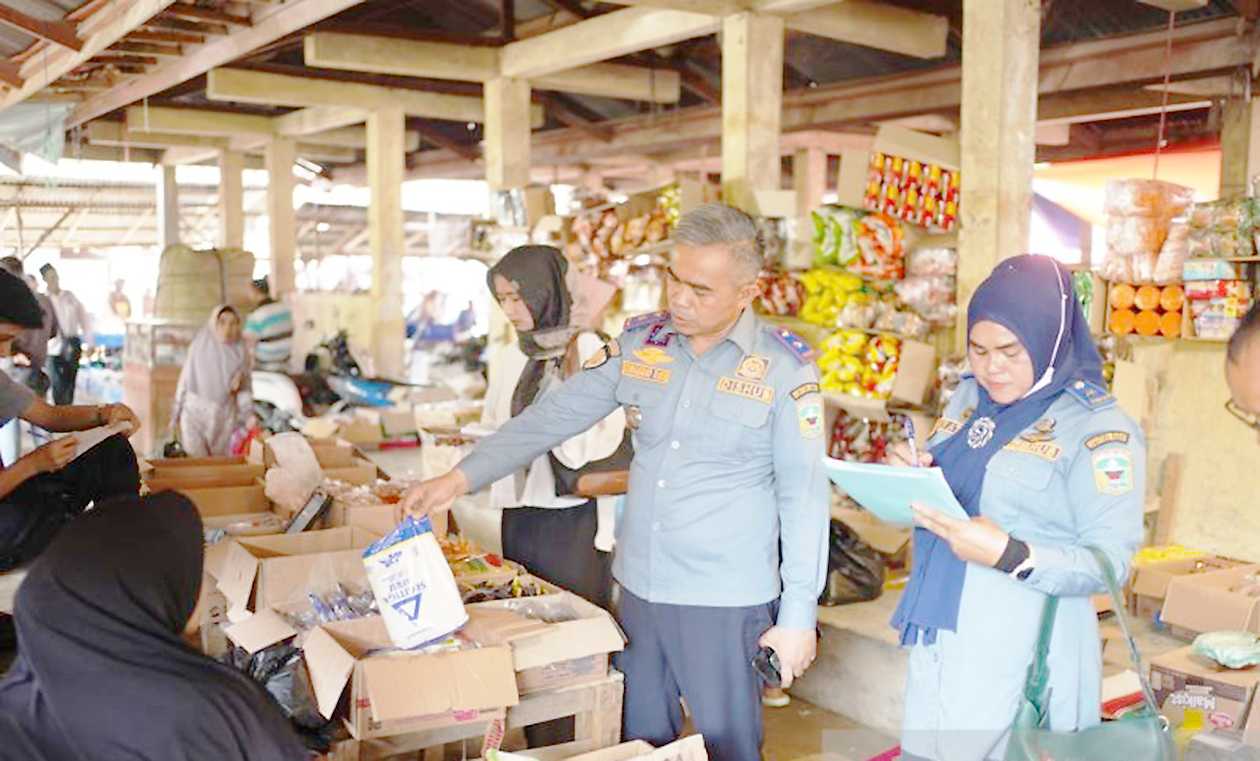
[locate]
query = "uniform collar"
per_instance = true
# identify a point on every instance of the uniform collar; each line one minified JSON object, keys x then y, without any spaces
{"x":744,"y":333}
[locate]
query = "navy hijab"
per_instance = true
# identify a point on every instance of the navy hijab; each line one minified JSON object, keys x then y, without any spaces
{"x":1032,"y":297}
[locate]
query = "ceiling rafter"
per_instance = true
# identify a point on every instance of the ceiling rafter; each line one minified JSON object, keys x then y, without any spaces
{"x":61,"y":33}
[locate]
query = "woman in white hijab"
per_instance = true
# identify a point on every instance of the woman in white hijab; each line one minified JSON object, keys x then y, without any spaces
{"x":214,"y":397}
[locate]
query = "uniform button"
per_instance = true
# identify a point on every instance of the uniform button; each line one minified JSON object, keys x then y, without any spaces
{"x":661,"y":483}
{"x":674,"y":445}
{"x":656,"y":526}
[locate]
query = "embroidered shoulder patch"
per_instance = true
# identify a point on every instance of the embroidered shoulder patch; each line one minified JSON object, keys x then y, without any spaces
{"x":810,"y":418}
{"x":1113,"y":471}
{"x":644,"y":320}
{"x":799,"y":348}
{"x":1110,"y":437}
{"x":1091,"y":395}
{"x":802,"y":390}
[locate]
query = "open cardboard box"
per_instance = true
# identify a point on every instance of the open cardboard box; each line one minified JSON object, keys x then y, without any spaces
{"x":359,"y":472}
{"x":202,"y":473}
{"x":1149,"y":584}
{"x":401,"y":692}
{"x":227,"y":500}
{"x":566,"y":653}
{"x":331,"y":453}
{"x":1182,"y":680}
{"x":1207,"y":602}
{"x":378,"y":519}
{"x":265,"y":571}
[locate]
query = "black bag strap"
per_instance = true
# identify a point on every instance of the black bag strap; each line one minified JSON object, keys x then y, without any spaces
{"x":1037,"y":684}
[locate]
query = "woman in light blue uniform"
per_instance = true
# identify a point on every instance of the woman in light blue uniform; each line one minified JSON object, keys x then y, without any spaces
{"x":1039,"y":454}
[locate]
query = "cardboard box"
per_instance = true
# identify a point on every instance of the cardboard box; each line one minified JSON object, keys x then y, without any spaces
{"x":1148,"y":586}
{"x":398,"y":693}
{"x":378,"y":519}
{"x":566,"y":653}
{"x":1182,"y":680}
{"x":265,"y":571}
{"x":1207,"y":602}
{"x":907,"y":143}
{"x":689,"y":748}
{"x":916,"y":373}
{"x":360,"y":473}
{"x":331,"y":453}
{"x":228,"y":500}
{"x":361,"y":432}
{"x":201,"y":474}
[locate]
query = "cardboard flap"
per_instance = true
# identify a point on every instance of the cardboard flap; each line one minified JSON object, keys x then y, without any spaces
{"x":687,"y":749}
{"x":623,"y":752}
{"x":216,"y":556}
{"x":406,"y":687}
{"x":377,"y":519}
{"x":492,"y":626}
{"x":330,"y":667}
{"x":263,"y":629}
{"x":289,"y":579}
{"x":236,"y":578}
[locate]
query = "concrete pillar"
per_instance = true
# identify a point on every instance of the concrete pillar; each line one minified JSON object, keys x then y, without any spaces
{"x":167,"y":208}
{"x":1001,"y":44}
{"x":507,"y":133}
{"x":231,"y":200}
{"x":282,"y":223}
{"x":1240,"y":147}
{"x":386,"y":163}
{"x":752,"y":97}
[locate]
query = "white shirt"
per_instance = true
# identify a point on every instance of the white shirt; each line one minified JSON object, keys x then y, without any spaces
{"x":72,"y":318}
{"x":597,"y":443}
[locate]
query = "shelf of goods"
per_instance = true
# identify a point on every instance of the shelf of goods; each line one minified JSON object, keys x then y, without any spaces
{"x":1206,"y":306}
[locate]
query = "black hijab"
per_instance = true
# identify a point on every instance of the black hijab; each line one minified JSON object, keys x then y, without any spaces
{"x":102,"y":673}
{"x":538,"y":274}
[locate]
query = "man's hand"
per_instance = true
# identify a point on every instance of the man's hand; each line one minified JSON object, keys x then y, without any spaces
{"x":53,"y":456}
{"x":979,"y":540}
{"x":120,"y":413}
{"x":433,"y":496}
{"x":899,"y":454}
{"x":796,"y":649}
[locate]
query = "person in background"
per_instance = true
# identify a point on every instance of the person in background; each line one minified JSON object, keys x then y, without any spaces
{"x":1242,"y":370}
{"x":1047,"y":466}
{"x":73,"y":326}
{"x":727,"y":470}
{"x":29,"y":357}
{"x":44,"y":490}
{"x":213,"y":397}
{"x":102,"y":670}
{"x":119,"y":304}
{"x":269,"y":330}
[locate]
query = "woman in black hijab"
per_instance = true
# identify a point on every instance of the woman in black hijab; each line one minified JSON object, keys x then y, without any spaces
{"x":102,"y":672}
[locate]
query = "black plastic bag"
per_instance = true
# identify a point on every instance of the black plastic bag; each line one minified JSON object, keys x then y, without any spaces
{"x":281,"y":670}
{"x":855,"y":571}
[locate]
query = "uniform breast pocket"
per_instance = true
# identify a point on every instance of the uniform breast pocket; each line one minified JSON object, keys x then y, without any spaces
{"x":653,"y":419}
{"x":737,"y":427}
{"x":1019,"y":488}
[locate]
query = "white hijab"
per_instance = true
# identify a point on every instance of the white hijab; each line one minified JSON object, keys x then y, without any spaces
{"x":214,"y":366}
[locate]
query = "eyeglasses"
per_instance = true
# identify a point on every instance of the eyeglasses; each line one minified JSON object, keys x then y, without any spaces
{"x":1246,"y":418}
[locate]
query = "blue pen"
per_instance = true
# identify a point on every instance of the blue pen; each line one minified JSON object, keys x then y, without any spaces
{"x":907,"y":428}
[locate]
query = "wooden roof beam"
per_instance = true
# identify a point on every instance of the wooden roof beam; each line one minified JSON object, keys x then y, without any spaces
{"x":57,"y":32}
{"x":197,"y":121}
{"x":600,"y":38}
{"x":438,"y":60}
{"x":183,"y":25}
{"x":179,"y":38}
{"x":271,"y":23}
{"x":148,"y":49}
{"x":440,"y":139}
{"x":10,"y":74}
{"x":876,"y":25}
{"x":308,"y":121}
{"x":244,"y":86}
{"x":198,"y":13}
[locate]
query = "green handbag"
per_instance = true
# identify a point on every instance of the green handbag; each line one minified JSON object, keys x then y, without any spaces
{"x":1140,"y":736}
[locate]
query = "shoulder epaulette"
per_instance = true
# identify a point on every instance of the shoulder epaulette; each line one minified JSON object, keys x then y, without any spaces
{"x":644,"y":320}
{"x":1091,"y":395}
{"x":798,"y":346}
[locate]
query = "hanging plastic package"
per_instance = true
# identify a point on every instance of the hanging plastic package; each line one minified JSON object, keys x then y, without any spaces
{"x":855,"y":571}
{"x":413,"y":584}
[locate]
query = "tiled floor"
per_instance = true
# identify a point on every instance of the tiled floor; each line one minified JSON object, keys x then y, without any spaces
{"x":803,"y":731}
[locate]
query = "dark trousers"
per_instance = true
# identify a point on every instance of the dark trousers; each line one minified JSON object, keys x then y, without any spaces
{"x":702,"y":654}
{"x":34,"y":512}
{"x":64,"y":368}
{"x":558,"y":545}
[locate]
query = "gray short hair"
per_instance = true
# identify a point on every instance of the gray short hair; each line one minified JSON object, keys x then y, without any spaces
{"x":719,"y":224}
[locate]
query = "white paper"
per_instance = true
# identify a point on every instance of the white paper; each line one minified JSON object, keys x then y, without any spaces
{"x":90,"y":438}
{"x":888,"y":490}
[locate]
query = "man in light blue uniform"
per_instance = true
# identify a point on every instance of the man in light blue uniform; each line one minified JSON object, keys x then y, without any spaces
{"x":723,"y":544}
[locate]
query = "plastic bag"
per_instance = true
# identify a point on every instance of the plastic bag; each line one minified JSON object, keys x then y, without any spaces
{"x":1146,"y":198}
{"x":855,"y":571}
{"x":297,"y":473}
{"x":1173,"y":254}
{"x":1233,"y":650}
{"x":927,"y":262}
{"x":413,"y":584}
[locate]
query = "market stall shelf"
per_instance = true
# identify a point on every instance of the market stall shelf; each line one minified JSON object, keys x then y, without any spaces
{"x":596,"y":708}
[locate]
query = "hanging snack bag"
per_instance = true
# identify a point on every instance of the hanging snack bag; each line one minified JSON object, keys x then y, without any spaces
{"x":413,"y":585}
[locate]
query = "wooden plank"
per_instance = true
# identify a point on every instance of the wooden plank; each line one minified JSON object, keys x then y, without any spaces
{"x":56,"y":32}
{"x":308,"y":121}
{"x":182,"y":38}
{"x":201,"y":13}
{"x":196,"y":121}
{"x":710,"y":7}
{"x":441,"y":140}
{"x":117,"y":134}
{"x":9,"y":73}
{"x":610,"y":35}
{"x":243,"y":86}
{"x":752,"y":90}
{"x":282,"y":224}
{"x":124,"y":59}
{"x":182,"y":25}
{"x":877,"y":25}
{"x":148,"y":49}
{"x":386,"y":164}
{"x":270,"y":24}
{"x":613,"y":80}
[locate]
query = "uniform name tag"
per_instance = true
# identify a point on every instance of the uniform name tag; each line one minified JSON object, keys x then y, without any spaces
{"x":747,"y":389}
{"x":1042,"y":449}
{"x":645,"y":372}
{"x":1110,"y":437}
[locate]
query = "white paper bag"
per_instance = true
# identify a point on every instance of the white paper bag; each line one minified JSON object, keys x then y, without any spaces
{"x":414,"y":588}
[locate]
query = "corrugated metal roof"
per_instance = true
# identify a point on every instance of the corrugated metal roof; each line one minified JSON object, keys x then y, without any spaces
{"x":14,"y":41}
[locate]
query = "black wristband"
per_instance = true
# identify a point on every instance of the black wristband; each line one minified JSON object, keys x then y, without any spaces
{"x":1013,"y":556}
